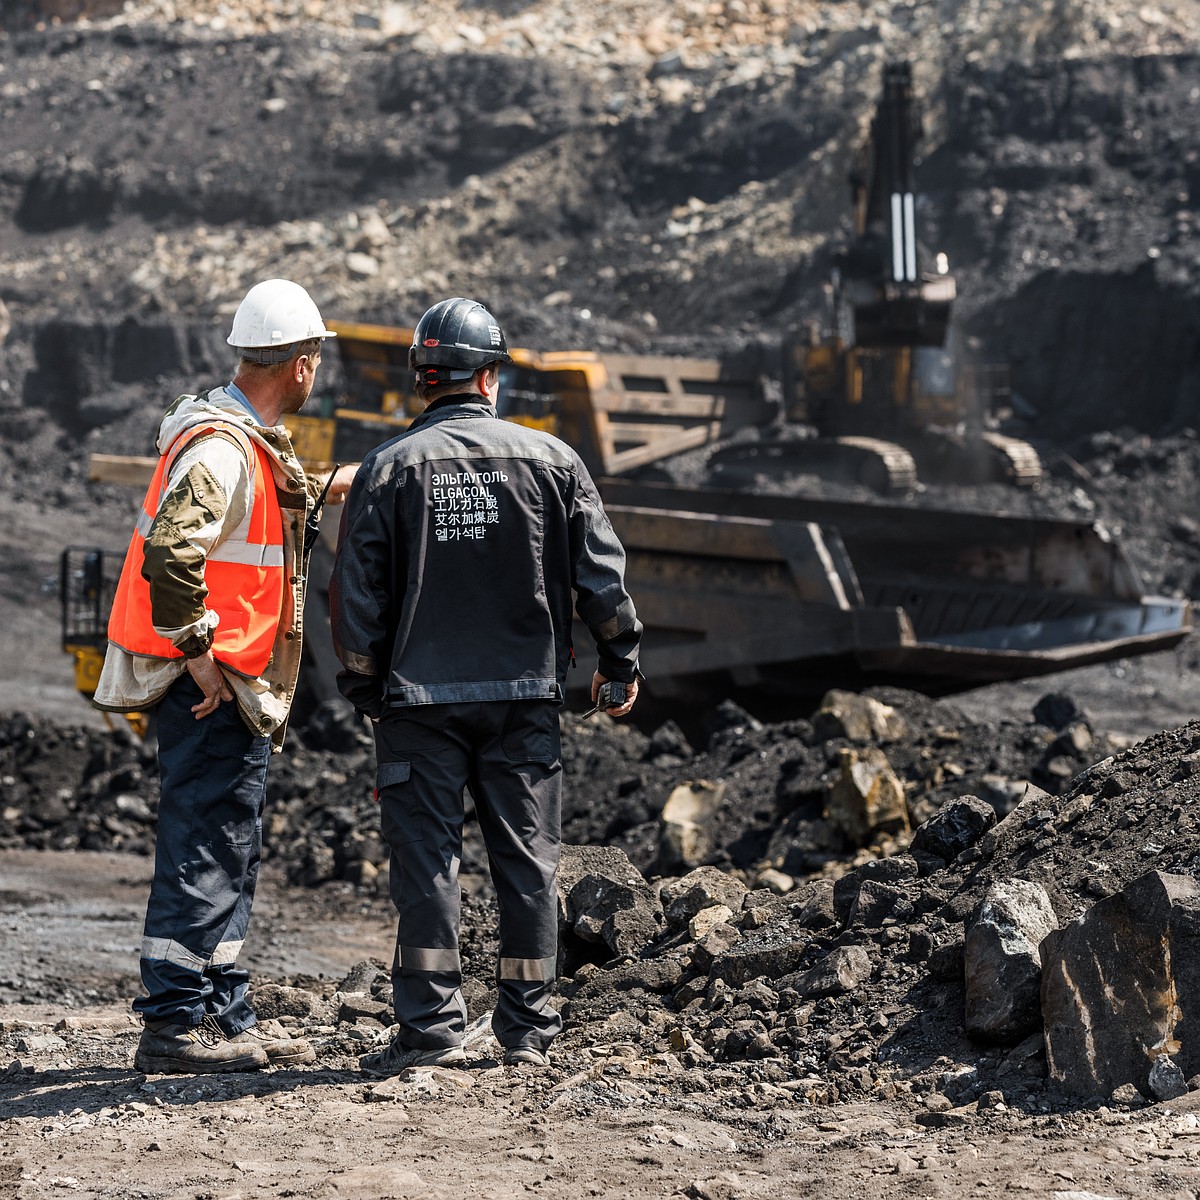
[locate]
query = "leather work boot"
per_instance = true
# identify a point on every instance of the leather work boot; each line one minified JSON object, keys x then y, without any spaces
{"x":398,"y":1057}
{"x":168,"y":1049}
{"x":281,"y":1049}
{"x":529,"y":1055}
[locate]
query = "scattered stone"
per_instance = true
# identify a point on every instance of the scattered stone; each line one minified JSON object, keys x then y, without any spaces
{"x":685,"y":817}
{"x":858,"y":718}
{"x":956,"y":827}
{"x":716,"y":943}
{"x":668,"y":746}
{"x":816,"y":908}
{"x":702,"y":888}
{"x":274,"y":1000}
{"x":707,"y":919}
{"x":98,"y":1023}
{"x":779,"y":883}
{"x":40,"y":1044}
{"x":1128,"y":1096}
{"x":1057,"y":710}
{"x":867,"y":799}
{"x":604,"y":899}
{"x":842,"y":970}
{"x":876,"y":904}
{"x":356,"y":1007}
{"x":946,"y":960}
{"x":895,"y":869}
{"x":1166,"y":1080}
{"x":754,"y":958}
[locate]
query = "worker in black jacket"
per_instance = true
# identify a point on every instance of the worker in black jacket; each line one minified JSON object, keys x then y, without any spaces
{"x":464,"y":543}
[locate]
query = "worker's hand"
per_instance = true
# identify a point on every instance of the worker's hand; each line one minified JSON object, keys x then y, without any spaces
{"x":631,"y":691}
{"x":210,"y":681}
{"x":339,"y":488}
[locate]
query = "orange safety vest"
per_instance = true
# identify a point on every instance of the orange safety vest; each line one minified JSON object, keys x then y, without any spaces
{"x":244,"y":573}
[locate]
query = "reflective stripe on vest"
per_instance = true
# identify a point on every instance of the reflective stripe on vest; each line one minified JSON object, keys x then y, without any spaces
{"x":244,"y":574}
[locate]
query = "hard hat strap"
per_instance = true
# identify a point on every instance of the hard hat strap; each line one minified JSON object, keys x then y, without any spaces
{"x":434,"y":375}
{"x":266,"y":355}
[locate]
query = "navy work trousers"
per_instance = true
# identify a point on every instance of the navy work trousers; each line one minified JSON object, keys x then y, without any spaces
{"x":214,"y":774}
{"x":508,"y":754}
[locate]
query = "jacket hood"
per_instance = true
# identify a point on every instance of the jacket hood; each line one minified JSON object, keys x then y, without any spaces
{"x":218,"y":405}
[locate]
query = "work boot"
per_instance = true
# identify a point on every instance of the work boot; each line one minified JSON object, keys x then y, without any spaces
{"x":398,"y":1057}
{"x":531,"y":1056}
{"x":280,"y":1047}
{"x":169,"y":1049}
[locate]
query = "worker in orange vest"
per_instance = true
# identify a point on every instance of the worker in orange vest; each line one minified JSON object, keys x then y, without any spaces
{"x":205,"y":629}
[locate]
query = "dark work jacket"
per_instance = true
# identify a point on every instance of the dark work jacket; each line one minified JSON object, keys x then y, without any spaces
{"x":464,"y":542}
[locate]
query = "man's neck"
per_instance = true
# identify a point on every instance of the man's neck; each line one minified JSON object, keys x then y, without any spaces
{"x":264,"y":398}
{"x":456,"y":398}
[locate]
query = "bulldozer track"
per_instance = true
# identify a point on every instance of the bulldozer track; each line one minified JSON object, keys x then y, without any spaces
{"x":1023,"y":465}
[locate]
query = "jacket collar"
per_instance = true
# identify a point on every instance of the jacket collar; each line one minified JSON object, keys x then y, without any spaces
{"x":453,"y":408}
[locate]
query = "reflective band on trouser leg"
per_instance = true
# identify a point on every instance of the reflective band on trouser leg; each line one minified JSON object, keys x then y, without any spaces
{"x":529,"y":970}
{"x":164,"y":950}
{"x":427,"y":998}
{"x":421,"y":816}
{"x":226,"y":953}
{"x":427,"y":958}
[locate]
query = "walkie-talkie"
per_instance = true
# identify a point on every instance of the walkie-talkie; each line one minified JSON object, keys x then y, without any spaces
{"x":611,"y":695}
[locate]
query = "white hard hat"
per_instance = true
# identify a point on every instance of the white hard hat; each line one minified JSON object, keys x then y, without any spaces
{"x":275,"y":313}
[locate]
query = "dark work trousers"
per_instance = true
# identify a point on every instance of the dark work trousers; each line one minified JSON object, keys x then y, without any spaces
{"x":508,"y":754}
{"x":214,"y":774}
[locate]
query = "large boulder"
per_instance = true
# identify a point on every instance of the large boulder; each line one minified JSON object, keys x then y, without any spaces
{"x":1121,"y":989}
{"x":1001,"y":965}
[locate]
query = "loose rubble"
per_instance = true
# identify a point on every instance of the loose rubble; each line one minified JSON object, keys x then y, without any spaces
{"x":799,"y":958}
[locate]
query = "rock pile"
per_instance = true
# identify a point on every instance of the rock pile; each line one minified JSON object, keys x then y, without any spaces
{"x":779,"y":801}
{"x":921,"y":970}
{"x":794,"y":955}
{"x":791,"y":957}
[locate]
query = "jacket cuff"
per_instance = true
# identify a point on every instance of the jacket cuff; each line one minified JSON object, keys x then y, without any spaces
{"x":196,"y":645}
{"x":365,"y":692}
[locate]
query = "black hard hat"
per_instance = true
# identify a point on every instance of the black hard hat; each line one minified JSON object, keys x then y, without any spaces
{"x":458,"y":334}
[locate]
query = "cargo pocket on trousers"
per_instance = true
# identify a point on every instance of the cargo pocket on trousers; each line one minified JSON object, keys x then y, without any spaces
{"x":398,"y":823}
{"x":530,"y":734}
